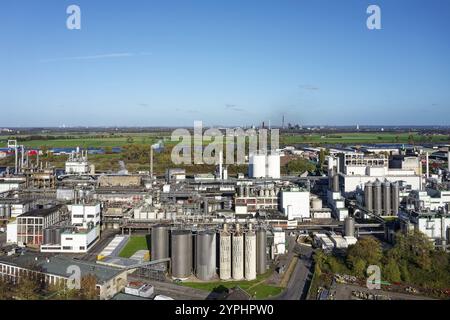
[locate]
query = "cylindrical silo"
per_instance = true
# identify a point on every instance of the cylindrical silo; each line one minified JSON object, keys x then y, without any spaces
{"x":349,"y":227}
{"x":237,"y":257}
{"x":261,"y":256}
{"x":2,"y":211}
{"x":205,"y":255}
{"x":273,"y":166}
{"x":395,"y":189}
{"x":377,"y":198}
{"x":316,"y":203}
{"x":181,"y":254}
{"x":57,"y":235}
{"x":159,"y":242}
{"x":368,"y":196}
{"x":48,"y":236}
{"x":250,"y":255}
{"x":225,"y":254}
{"x":257,"y":166}
{"x":336,"y":183}
{"x":387,"y":198}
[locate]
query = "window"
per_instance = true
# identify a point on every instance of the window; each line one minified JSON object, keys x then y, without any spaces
{"x":82,"y":248}
{"x":67,"y":248}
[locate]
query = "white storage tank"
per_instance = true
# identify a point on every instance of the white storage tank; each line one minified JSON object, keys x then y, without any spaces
{"x":225,"y":255}
{"x":238,"y":256}
{"x":257,"y":166}
{"x":316,"y":204}
{"x":273,"y":166}
{"x":250,"y":255}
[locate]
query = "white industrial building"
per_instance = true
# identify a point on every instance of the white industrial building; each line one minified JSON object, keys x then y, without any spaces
{"x":78,"y":163}
{"x":264,"y":166}
{"x":295,"y":203}
{"x":428,"y":200}
{"x":82,"y":214}
{"x":75,"y":240}
{"x":356,"y":169}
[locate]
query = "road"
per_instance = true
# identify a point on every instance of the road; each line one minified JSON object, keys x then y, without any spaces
{"x":300,"y":280}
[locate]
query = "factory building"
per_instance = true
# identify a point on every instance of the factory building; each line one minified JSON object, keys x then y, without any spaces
{"x":78,"y":163}
{"x":31,"y":225}
{"x":264,"y":166}
{"x":83,"y":213}
{"x":53,"y":271}
{"x":428,"y":200}
{"x":356,"y":169}
{"x":70,"y":240}
{"x":250,"y":199}
{"x":295,"y":204}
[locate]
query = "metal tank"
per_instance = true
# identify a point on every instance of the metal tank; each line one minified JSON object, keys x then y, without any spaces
{"x":349,"y":227}
{"x":250,"y":255}
{"x":257,"y":166}
{"x":273,"y":166}
{"x":261,"y":257}
{"x":316,"y":204}
{"x":181,"y":254}
{"x":336,"y":183}
{"x":48,"y":236}
{"x":159,"y":242}
{"x":2,"y":211}
{"x":368,"y":196}
{"x":377,"y":197}
{"x":237,"y":256}
{"x":205,"y":255}
{"x":57,"y":235}
{"x":387,"y":198}
{"x":395,"y":197}
{"x":225,"y":254}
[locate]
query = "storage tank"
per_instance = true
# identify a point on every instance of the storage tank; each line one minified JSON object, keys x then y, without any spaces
{"x":273,"y":166}
{"x":257,"y":166}
{"x":48,"y":236}
{"x":261,"y":257}
{"x":225,"y":254}
{"x":377,"y":198}
{"x":238,"y":255}
{"x":368,"y":196}
{"x":205,"y":255}
{"x":395,"y":189}
{"x":336,"y":183}
{"x":57,"y":235}
{"x":316,"y":204}
{"x":2,"y":211}
{"x":241,"y":190}
{"x":387,"y":198}
{"x":159,"y":242}
{"x":349,"y":227}
{"x":250,"y":255}
{"x":181,"y":254}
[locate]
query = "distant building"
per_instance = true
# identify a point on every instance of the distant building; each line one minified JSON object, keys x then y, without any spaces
{"x":295,"y":203}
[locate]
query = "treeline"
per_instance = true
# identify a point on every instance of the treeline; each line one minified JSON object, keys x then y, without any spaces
{"x":412,"y":260}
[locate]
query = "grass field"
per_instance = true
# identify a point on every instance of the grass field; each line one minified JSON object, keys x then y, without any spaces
{"x":134,"y":244}
{"x":256,"y":288}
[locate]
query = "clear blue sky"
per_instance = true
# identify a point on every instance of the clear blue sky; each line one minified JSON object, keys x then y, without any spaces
{"x":151,"y":63}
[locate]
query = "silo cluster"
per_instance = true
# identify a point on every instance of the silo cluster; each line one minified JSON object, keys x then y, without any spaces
{"x":382,"y":198}
{"x":52,"y":236}
{"x":5,"y":211}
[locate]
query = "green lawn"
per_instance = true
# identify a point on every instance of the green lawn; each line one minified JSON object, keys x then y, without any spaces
{"x":134,"y":244}
{"x":260,"y":291}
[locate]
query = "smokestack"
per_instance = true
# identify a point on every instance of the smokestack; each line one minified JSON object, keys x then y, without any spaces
{"x":151,"y":162}
{"x":427,"y":166}
{"x":220,"y":165}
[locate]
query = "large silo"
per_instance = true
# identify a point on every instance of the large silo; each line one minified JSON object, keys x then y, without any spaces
{"x":57,"y":235}
{"x":349,"y":227}
{"x":368,"y":196}
{"x":237,"y":256}
{"x":250,"y":255}
{"x":387,"y":198}
{"x":205,"y":255}
{"x":261,"y":256}
{"x":257,"y":166}
{"x":395,"y":189}
{"x":377,"y":198}
{"x":273,"y":166}
{"x":159,"y":242}
{"x":225,"y":254}
{"x":181,"y":254}
{"x":48,"y":236}
{"x":2,"y":211}
{"x":336,"y":183}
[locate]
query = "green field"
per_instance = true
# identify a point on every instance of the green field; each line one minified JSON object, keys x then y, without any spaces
{"x":256,"y":288}
{"x":134,"y":244}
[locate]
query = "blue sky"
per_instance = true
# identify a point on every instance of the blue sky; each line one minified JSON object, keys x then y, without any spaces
{"x":157,"y":63}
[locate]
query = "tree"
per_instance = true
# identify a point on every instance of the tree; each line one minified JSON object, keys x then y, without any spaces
{"x":27,"y":289}
{"x":88,"y":289}
{"x":299,"y":166}
{"x":5,"y":290}
{"x":364,"y":253}
{"x":391,"y":271}
{"x":414,"y":248}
